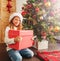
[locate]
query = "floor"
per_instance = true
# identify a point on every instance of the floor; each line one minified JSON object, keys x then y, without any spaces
{"x":4,"y":56}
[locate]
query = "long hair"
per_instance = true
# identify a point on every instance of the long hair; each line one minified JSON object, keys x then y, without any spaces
{"x":11,"y":25}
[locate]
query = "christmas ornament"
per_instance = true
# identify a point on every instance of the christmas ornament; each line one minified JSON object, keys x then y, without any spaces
{"x":43,"y":11}
{"x":34,"y":16}
{"x":9,"y":6}
{"x":41,"y":17}
{"x":37,"y":9}
{"x":43,"y":33}
{"x":29,"y":6}
{"x":45,"y":1}
{"x":23,"y":13}
{"x":57,"y":28}
{"x":48,"y":4}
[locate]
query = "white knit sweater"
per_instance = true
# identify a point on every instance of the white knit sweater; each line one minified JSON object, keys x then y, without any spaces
{"x":8,"y":40}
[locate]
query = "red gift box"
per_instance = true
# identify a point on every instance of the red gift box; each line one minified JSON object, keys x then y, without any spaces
{"x":26,"y":38}
{"x":49,"y":56}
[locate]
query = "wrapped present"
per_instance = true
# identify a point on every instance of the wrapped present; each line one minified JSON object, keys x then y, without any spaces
{"x":43,"y":44}
{"x":49,"y":56}
{"x":26,"y":39}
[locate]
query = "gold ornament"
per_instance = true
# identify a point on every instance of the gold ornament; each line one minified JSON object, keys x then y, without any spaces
{"x":43,"y":11}
{"x":41,"y":17}
{"x":48,"y":4}
{"x":57,"y":28}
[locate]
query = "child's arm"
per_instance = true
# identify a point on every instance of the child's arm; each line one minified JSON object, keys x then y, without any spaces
{"x":7,"y":39}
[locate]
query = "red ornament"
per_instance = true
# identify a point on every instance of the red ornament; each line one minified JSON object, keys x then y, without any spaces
{"x":29,"y":6}
{"x":37,"y":9}
{"x":23,"y":13}
{"x":43,"y":33}
{"x":34,"y":16}
{"x":9,"y":6}
{"x":45,"y":1}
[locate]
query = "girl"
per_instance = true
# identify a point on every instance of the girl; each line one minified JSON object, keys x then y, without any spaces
{"x":15,"y":21}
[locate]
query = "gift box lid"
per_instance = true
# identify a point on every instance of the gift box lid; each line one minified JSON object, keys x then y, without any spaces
{"x":15,"y":33}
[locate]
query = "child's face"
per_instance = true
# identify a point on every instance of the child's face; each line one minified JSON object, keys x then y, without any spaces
{"x":16,"y":21}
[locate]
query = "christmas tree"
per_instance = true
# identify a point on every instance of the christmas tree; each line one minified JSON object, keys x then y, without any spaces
{"x":40,"y":16}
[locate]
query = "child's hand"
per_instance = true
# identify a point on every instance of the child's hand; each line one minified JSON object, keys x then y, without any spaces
{"x":17,"y":39}
{"x":33,"y":38}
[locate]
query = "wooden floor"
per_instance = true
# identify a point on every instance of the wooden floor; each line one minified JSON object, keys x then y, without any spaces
{"x":32,"y":59}
{"x":4,"y":56}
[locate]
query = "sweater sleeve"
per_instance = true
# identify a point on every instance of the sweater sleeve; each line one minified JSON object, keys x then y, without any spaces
{"x":8,"y":40}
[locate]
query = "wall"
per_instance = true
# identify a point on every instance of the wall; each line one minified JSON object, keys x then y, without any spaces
{"x":4,"y":16}
{"x":0,"y":19}
{"x":19,"y":4}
